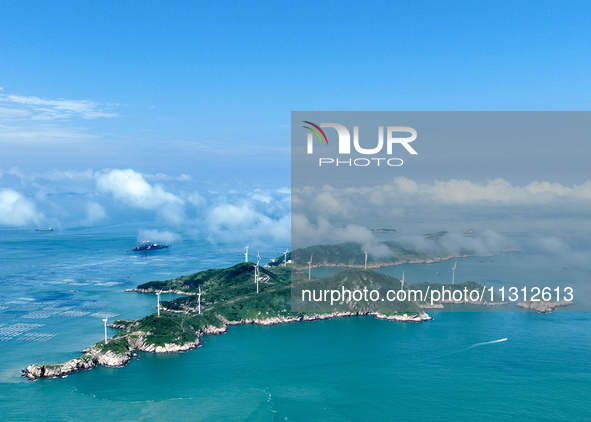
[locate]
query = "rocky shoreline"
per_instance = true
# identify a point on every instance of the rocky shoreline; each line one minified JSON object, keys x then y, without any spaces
{"x":94,"y":356}
{"x":441,"y":303}
{"x":318,"y":317}
{"x":178,"y":292}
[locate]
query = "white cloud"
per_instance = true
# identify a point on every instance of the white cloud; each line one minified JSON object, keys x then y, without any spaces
{"x":94,"y":212}
{"x":30,"y":119}
{"x":552,"y":245}
{"x":17,"y":210}
{"x":390,"y":200}
{"x":161,"y":177}
{"x":15,"y":172}
{"x":232,"y":216}
{"x":158,"y":236}
{"x":58,"y":176}
{"x":483,"y":243}
{"x":329,"y":201}
{"x":34,"y":108}
{"x":74,"y":197}
{"x":131,"y":188}
{"x":494,"y":192}
{"x":196,"y":199}
{"x":261,"y":197}
{"x":173,"y":214}
{"x":7,"y":113}
{"x":325,"y":232}
{"x":44,"y":133}
{"x":244,"y":221}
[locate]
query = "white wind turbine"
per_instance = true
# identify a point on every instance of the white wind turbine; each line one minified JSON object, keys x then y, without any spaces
{"x":199,"y":300}
{"x":285,"y":257}
{"x":105,"y":321}
{"x":256,"y":272}
{"x":453,"y":273}
{"x":246,"y":254}
{"x":310,"y":267}
{"x":262,"y":278}
{"x":365,"y":260}
{"x":402,"y":282}
{"x":158,"y":301}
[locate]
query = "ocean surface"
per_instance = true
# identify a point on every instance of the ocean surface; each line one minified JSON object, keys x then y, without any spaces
{"x":57,"y":286}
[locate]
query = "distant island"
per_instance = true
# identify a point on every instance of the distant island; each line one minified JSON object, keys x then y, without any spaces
{"x":436,"y":235}
{"x":351,"y":255}
{"x":545,"y":307}
{"x":384,"y":230}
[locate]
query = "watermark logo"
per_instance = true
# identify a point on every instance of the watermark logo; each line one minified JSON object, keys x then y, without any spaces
{"x":310,"y":138}
{"x":393,"y":136}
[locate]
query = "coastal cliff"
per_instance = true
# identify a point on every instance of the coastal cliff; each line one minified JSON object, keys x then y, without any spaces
{"x":99,"y":354}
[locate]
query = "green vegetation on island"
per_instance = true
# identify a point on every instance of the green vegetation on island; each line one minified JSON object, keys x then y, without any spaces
{"x":280,"y":260}
{"x":352,"y":255}
{"x":214,"y":299}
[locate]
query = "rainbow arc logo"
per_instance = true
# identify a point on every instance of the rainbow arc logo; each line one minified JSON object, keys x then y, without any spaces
{"x":316,"y":131}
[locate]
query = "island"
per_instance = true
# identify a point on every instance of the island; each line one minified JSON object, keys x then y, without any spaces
{"x":351,"y":254}
{"x":216,"y":299}
{"x":545,"y":307}
{"x":385,"y":230}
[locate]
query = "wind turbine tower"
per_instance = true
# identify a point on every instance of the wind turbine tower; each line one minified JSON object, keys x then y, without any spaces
{"x":256,"y":273}
{"x":285,"y":257}
{"x":199,"y":300}
{"x":105,"y":321}
{"x":246,"y":254}
{"x":365,"y":260}
{"x":158,"y":301}
{"x":310,"y":267}
{"x":453,"y":273}
{"x":402,"y":282}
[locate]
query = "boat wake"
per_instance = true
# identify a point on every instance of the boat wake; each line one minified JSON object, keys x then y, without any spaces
{"x":485,"y":343}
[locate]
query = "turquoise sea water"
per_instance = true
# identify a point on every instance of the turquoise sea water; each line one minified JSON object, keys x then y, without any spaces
{"x":55,"y":287}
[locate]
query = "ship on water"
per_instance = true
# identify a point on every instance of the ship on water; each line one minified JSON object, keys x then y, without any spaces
{"x":44,"y":230}
{"x":149,"y":246}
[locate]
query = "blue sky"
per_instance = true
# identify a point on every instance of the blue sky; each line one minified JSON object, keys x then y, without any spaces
{"x":201,"y":92}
